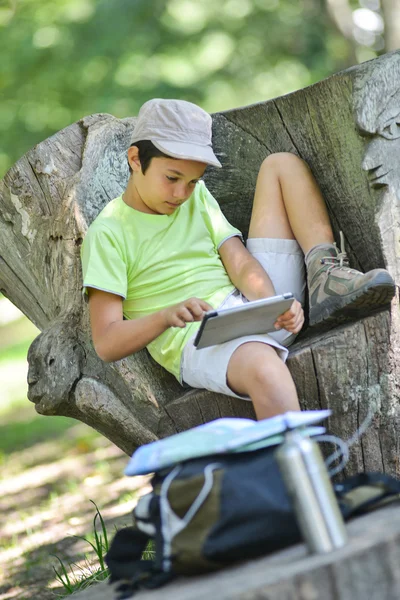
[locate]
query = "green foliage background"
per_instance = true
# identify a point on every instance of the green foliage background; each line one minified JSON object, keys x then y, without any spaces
{"x":63,"y":59}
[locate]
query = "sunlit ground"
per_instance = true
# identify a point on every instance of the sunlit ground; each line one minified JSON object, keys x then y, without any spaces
{"x":51,"y":469}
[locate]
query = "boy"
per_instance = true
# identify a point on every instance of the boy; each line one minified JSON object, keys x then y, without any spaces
{"x":163,"y":254}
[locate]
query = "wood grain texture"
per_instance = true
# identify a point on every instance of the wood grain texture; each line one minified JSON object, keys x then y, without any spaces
{"x":366,"y":568}
{"x":51,"y":195}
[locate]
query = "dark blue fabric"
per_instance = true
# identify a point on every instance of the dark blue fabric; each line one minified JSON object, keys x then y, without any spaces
{"x":256,"y":514}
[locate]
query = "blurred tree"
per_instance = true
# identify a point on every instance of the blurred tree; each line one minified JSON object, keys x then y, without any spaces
{"x":62,"y":60}
{"x":370,"y":26}
{"x":391,"y":14}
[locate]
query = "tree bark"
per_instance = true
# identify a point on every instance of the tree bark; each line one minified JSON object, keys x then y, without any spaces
{"x":391,"y":15}
{"x":366,"y":568}
{"x":51,"y":195}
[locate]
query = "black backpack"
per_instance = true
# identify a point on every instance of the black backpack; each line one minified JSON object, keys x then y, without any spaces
{"x":210,"y":512}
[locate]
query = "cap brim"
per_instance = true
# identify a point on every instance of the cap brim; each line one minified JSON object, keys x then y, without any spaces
{"x":187,"y":151}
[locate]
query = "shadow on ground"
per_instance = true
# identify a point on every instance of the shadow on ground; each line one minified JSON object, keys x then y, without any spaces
{"x":47,"y":489}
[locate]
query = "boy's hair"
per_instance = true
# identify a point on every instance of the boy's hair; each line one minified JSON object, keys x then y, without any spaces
{"x":147,"y":151}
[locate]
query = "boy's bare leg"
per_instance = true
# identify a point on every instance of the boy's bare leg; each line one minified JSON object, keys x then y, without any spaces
{"x":288,"y":204}
{"x":256,"y":370}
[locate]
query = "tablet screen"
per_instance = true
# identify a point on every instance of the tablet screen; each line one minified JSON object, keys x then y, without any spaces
{"x":251,"y":318}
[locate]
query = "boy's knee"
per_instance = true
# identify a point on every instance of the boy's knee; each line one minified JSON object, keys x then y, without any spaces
{"x":282,"y":161}
{"x":263,"y":372}
{"x":251,"y":363}
{"x":257,"y":361}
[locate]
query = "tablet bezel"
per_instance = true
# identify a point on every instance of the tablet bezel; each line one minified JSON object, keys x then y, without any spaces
{"x":281,"y":302}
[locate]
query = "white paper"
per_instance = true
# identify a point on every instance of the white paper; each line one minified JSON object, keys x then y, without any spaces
{"x":216,"y":437}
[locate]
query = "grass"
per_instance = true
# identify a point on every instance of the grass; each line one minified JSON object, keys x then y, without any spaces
{"x":80,"y":577}
{"x":21,"y":427}
{"x":50,"y":469}
{"x":17,"y":435}
{"x":149,"y":553}
{"x":16,"y":337}
{"x":75,"y":577}
{"x":13,"y":352}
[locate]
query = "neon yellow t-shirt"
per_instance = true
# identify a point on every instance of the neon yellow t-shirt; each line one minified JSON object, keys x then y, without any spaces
{"x":155,"y":261}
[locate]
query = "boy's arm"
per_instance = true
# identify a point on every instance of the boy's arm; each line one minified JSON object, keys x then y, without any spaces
{"x":114,"y":338}
{"x":245,"y":272}
{"x":248,"y":276}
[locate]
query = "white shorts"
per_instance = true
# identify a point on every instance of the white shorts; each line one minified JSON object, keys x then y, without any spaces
{"x":283,"y":260}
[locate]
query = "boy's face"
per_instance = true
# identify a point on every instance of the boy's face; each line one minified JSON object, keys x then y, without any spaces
{"x":166,"y":185}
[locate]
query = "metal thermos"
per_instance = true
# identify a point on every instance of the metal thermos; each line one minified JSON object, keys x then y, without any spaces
{"x":308,"y":484}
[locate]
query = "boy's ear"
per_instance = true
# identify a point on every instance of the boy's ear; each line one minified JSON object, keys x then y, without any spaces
{"x":133,"y":158}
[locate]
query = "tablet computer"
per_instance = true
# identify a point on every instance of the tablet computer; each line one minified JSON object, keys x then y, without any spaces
{"x":221,"y":325}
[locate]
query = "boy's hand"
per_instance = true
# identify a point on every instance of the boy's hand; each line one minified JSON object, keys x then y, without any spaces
{"x":188,"y":311}
{"x":292,"y":320}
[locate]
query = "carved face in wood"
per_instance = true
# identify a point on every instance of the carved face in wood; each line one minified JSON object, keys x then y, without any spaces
{"x":377,"y":104}
{"x":382,"y":156}
{"x":54,"y":370}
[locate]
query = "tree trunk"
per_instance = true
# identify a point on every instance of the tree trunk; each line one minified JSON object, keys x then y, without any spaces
{"x":391,"y":15}
{"x":365,"y":569}
{"x":51,"y":195}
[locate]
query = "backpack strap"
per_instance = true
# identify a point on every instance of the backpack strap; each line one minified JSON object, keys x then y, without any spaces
{"x":365,"y":492}
{"x":126,"y":567}
{"x":124,"y":554}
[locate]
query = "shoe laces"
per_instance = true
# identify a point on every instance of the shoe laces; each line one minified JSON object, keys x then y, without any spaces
{"x":340,"y":261}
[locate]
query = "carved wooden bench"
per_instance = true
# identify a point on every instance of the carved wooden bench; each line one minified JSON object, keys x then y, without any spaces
{"x":347,"y":129}
{"x":365,"y":569}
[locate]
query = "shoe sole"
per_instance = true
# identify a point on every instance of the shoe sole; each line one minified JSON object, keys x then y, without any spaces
{"x":360,"y":304}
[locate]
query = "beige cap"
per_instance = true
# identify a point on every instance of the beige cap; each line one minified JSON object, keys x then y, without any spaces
{"x":177,"y":128}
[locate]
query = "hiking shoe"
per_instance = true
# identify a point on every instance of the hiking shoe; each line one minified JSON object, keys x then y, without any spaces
{"x":336,"y":291}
